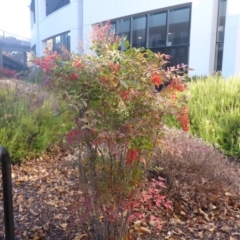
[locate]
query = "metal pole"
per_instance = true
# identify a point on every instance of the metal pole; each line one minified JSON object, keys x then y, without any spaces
{"x":1,"y":57}
{"x":7,"y":193}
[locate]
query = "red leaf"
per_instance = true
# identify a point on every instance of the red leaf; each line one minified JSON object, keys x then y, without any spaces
{"x":168,"y":205}
{"x":146,"y":197}
{"x":132,"y":156}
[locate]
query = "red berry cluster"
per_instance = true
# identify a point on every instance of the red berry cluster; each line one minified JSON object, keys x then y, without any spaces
{"x":114,"y":68}
{"x":156,"y":79}
{"x":125,"y":95}
{"x":47,"y":62}
{"x":184,"y":119}
{"x":177,"y":84}
{"x":77,"y":63}
{"x":73,"y":76}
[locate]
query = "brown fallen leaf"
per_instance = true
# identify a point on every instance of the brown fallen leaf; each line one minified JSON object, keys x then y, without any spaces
{"x":226,"y":229}
{"x":144,"y":230}
{"x":191,"y":230}
{"x":211,"y":207}
{"x":177,"y":232}
{"x":128,"y":236}
{"x":35,"y":228}
{"x":153,"y":223}
{"x":33,"y":213}
{"x":49,"y":203}
{"x":229,"y":194}
{"x":63,"y":225}
{"x":138,"y":223}
{"x":20,"y":209}
{"x":236,"y":234}
{"x":41,"y":191}
{"x":36,"y":237}
{"x":80,"y":237}
{"x":46,"y":226}
{"x":183,"y":213}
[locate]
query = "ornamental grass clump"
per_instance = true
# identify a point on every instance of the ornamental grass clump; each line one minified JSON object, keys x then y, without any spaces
{"x":215,"y":112}
{"x":118,"y":124}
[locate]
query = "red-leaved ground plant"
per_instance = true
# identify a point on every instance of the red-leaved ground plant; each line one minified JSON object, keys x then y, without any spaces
{"x":7,"y":73}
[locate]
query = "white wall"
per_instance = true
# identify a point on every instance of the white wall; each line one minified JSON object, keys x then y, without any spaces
{"x":67,"y":18}
{"x":231,"y":52}
{"x":203,"y":36}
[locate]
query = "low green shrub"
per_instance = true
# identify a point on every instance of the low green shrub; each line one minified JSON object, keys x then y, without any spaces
{"x":29,"y":124}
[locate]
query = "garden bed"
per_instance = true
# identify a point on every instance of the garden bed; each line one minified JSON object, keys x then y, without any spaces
{"x":46,"y":189}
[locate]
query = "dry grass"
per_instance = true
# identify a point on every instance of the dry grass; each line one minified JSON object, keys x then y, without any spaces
{"x":34,"y":92}
{"x":200,"y":168}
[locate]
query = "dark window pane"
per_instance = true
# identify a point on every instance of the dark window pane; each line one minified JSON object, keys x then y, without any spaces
{"x":54,"y":5}
{"x":65,"y":40}
{"x":178,"y":55}
{"x":123,"y":30}
{"x":178,"y":32}
{"x":222,"y":6}
{"x":32,"y":8}
{"x":59,"y":41}
{"x":113,"y":26}
{"x":221,"y":20}
{"x":219,"y":57}
{"x":139,"y":31}
{"x":33,"y":49}
{"x":157,"y":30}
{"x":69,"y":41}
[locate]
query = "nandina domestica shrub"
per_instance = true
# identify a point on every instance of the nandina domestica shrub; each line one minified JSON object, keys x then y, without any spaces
{"x":118,"y":122}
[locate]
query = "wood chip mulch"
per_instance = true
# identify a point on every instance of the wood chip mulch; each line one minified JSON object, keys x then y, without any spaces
{"x":45,"y":188}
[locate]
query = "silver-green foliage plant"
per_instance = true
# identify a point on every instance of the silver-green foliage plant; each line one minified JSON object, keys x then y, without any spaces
{"x":214,"y":108}
{"x":29,"y":121}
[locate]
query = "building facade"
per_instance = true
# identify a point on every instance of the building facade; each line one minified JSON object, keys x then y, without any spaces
{"x":204,"y":34}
